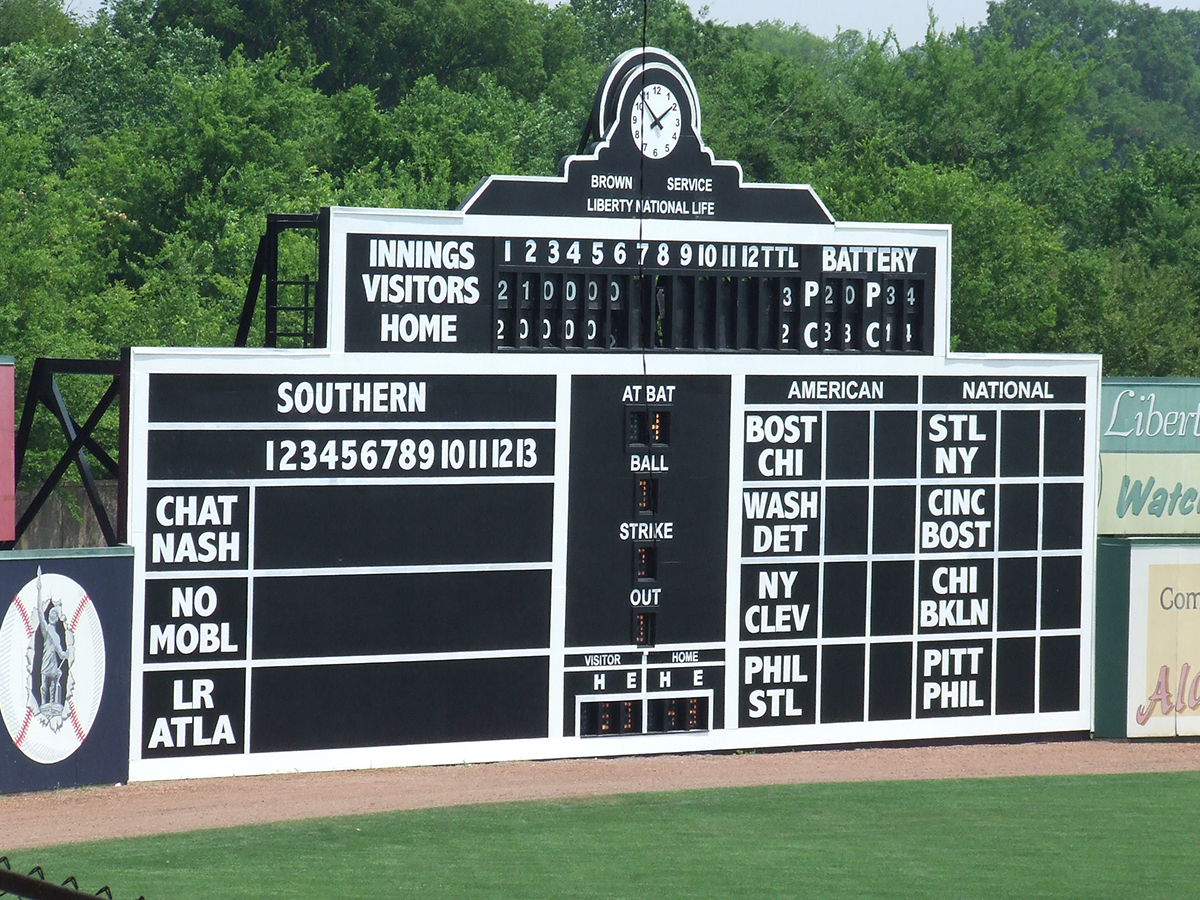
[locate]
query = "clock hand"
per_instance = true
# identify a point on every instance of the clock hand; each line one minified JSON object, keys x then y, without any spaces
{"x":656,"y":121}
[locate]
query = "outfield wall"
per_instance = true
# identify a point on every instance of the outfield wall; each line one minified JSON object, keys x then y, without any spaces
{"x":1148,"y":559}
{"x":65,"y":668}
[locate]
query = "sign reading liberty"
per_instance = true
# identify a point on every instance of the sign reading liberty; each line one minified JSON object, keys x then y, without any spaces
{"x":51,"y":667}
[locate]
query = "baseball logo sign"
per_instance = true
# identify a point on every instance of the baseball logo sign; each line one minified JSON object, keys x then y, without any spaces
{"x":51,"y":667}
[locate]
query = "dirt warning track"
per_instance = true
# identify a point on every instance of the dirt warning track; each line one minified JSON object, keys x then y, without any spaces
{"x":69,"y":816}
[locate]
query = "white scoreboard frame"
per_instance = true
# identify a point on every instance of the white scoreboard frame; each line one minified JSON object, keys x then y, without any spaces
{"x":737,"y":366}
{"x":345,"y":221}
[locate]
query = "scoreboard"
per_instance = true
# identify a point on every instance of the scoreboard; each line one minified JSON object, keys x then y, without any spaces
{"x":637,"y":459}
{"x":635,"y":290}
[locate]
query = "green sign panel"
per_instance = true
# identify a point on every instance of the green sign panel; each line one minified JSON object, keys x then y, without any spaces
{"x":1150,"y":457}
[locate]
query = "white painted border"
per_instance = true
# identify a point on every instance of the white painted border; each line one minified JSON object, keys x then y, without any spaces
{"x":145,"y":362}
{"x":344,"y":221}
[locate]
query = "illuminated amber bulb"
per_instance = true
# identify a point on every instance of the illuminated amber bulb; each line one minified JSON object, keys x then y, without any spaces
{"x":647,"y":495}
{"x":645,"y":563}
{"x":660,"y":427}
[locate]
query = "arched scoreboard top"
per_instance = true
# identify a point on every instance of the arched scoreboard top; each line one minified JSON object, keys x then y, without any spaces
{"x":644,"y":242}
{"x":647,"y":114}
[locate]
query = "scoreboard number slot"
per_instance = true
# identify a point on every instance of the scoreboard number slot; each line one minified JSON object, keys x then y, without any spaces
{"x":646,"y":307}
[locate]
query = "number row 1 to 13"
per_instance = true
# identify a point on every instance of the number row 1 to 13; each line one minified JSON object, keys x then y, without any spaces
{"x":393,"y":454}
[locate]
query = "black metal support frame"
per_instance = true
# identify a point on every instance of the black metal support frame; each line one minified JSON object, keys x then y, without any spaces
{"x":266,"y":266}
{"x":44,"y":391}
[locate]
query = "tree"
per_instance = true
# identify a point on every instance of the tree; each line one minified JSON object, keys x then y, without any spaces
{"x":1143,"y":78}
{"x":35,"y":21}
{"x":384,"y":44}
{"x":117,"y":75}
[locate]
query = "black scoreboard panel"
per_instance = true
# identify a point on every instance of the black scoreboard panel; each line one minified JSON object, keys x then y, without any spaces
{"x":572,"y":294}
{"x":440,"y":291}
{"x":358,"y":560}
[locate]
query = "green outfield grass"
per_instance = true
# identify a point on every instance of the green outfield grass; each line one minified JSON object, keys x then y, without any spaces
{"x":1095,"y":837}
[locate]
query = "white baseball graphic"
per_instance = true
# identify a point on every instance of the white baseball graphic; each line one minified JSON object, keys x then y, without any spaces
{"x":51,"y":667}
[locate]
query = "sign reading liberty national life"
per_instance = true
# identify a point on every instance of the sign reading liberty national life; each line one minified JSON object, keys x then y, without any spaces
{"x":639,"y":458}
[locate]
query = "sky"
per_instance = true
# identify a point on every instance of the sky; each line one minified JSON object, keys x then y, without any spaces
{"x":907,"y":18}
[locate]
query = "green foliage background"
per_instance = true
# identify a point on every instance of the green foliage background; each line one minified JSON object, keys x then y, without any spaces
{"x":140,"y":153}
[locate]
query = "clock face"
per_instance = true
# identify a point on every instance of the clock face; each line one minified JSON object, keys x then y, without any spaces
{"x":656,"y":121}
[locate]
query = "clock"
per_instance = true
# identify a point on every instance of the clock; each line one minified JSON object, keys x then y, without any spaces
{"x":656,"y":121}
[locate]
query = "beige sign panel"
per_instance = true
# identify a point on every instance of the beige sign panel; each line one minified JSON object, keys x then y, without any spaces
{"x":1149,"y":494}
{"x":1164,"y":642}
